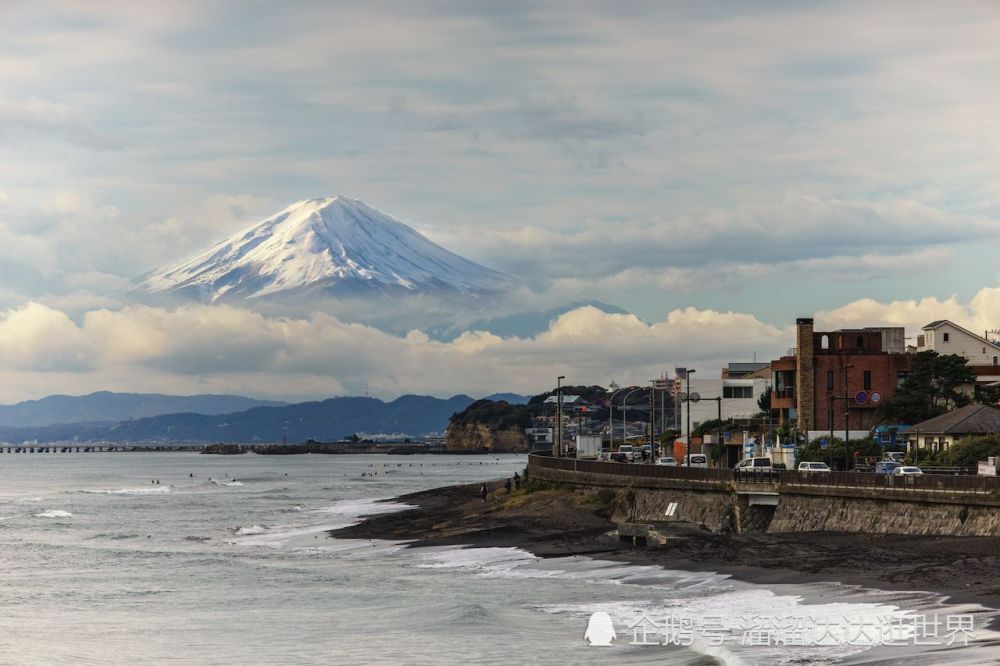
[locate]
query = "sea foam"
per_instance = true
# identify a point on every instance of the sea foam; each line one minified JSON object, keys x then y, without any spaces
{"x":152,"y":490}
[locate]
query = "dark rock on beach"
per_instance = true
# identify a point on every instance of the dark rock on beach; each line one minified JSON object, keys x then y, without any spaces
{"x":550,"y":521}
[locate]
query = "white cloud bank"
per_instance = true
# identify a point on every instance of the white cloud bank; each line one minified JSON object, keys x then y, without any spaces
{"x":212,"y":348}
{"x":226,"y":349}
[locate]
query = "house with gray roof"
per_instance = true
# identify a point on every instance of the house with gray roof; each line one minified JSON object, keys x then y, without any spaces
{"x":940,"y":432}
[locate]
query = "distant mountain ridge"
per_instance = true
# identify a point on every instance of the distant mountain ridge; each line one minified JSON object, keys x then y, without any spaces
{"x":331,"y":419}
{"x":106,"y":406}
{"x":326,"y":246}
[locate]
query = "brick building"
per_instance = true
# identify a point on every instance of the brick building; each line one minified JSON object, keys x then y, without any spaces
{"x":858,"y":368}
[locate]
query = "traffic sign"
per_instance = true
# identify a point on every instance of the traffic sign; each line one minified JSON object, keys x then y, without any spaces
{"x":683,"y":396}
{"x":875,"y":397}
{"x":861,"y":398}
{"x":694,"y":397}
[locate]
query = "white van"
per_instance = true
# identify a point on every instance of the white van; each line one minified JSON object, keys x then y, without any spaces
{"x":755,"y":465}
{"x":628,"y":451}
{"x":696,"y":460}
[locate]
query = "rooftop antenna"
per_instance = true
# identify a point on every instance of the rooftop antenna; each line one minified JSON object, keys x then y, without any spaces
{"x":366,"y":389}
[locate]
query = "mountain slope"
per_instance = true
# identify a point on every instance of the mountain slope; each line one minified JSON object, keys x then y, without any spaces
{"x":327,"y":420}
{"x":333,"y":245}
{"x":106,"y":406}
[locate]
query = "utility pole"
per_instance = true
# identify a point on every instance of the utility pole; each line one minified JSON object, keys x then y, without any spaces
{"x":830,"y":414}
{"x":652,"y":416}
{"x":847,"y":421}
{"x":558,"y":447}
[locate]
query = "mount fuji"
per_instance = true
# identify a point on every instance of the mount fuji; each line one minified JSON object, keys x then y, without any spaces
{"x":332,"y":247}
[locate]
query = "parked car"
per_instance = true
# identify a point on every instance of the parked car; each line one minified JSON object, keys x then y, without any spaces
{"x":667,"y":460}
{"x":908,"y":470}
{"x":628,"y":451}
{"x":886,"y":467}
{"x":618,"y":456}
{"x":813,"y":467}
{"x":604,"y":456}
{"x":894,"y":456}
{"x":696,"y":460}
{"x":755,"y":465}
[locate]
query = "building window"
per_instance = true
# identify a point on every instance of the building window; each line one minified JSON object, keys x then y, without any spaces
{"x":829,"y":379}
{"x":860,"y":341}
{"x":868,"y":380}
{"x":901,"y":377}
{"x":824,"y":342}
{"x":994,"y":360}
{"x":737,"y":392}
{"x":944,"y":337}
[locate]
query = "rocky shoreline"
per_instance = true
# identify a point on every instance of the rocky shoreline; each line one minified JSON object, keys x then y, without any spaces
{"x":551,"y":521}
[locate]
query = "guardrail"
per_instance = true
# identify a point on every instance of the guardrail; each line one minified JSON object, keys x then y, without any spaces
{"x":954,"y":471}
{"x":938,"y":483}
{"x":711,"y":474}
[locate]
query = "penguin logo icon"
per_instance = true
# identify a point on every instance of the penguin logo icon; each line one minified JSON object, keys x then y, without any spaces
{"x":600,"y":630}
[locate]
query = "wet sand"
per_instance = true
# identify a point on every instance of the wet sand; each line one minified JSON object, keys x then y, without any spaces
{"x":555,"y":523}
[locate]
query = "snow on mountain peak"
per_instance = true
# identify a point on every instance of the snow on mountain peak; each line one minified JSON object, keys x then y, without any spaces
{"x":330,"y":243}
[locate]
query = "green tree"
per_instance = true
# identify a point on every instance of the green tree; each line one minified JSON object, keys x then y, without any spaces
{"x":931,"y":388}
{"x":835,"y":454}
{"x":764,"y":403}
{"x":968,"y":451}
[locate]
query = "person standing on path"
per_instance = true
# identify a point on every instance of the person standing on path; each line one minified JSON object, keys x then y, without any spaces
{"x":483,"y":492}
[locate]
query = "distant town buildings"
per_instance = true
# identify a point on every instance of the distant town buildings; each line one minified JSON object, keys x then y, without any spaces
{"x":831,"y":383}
{"x":837,"y":380}
{"x":738,"y":400}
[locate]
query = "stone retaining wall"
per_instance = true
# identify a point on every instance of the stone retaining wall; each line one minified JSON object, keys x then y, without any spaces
{"x":720,"y":508}
{"x":806,"y":513}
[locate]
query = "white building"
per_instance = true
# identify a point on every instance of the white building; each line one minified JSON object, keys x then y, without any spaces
{"x":739,"y":400}
{"x":945,"y":337}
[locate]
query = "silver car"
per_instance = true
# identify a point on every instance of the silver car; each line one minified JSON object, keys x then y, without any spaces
{"x":667,"y":460}
{"x":908,"y":471}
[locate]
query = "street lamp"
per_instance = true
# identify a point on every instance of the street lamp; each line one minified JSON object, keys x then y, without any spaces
{"x":625,"y":410}
{"x":559,"y":415}
{"x":611,"y":416}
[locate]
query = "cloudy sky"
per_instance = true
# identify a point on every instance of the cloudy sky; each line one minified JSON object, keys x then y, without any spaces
{"x":714,"y":168}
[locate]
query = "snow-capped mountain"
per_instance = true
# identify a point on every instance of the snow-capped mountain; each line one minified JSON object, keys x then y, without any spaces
{"x":333,"y":245}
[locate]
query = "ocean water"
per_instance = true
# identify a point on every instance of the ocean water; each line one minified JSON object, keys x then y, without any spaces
{"x":233,"y":566}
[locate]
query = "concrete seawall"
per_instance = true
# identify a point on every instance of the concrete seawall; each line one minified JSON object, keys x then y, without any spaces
{"x":783,"y":507}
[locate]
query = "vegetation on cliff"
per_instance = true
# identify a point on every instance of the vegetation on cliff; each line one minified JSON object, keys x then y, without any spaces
{"x":486,"y":424}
